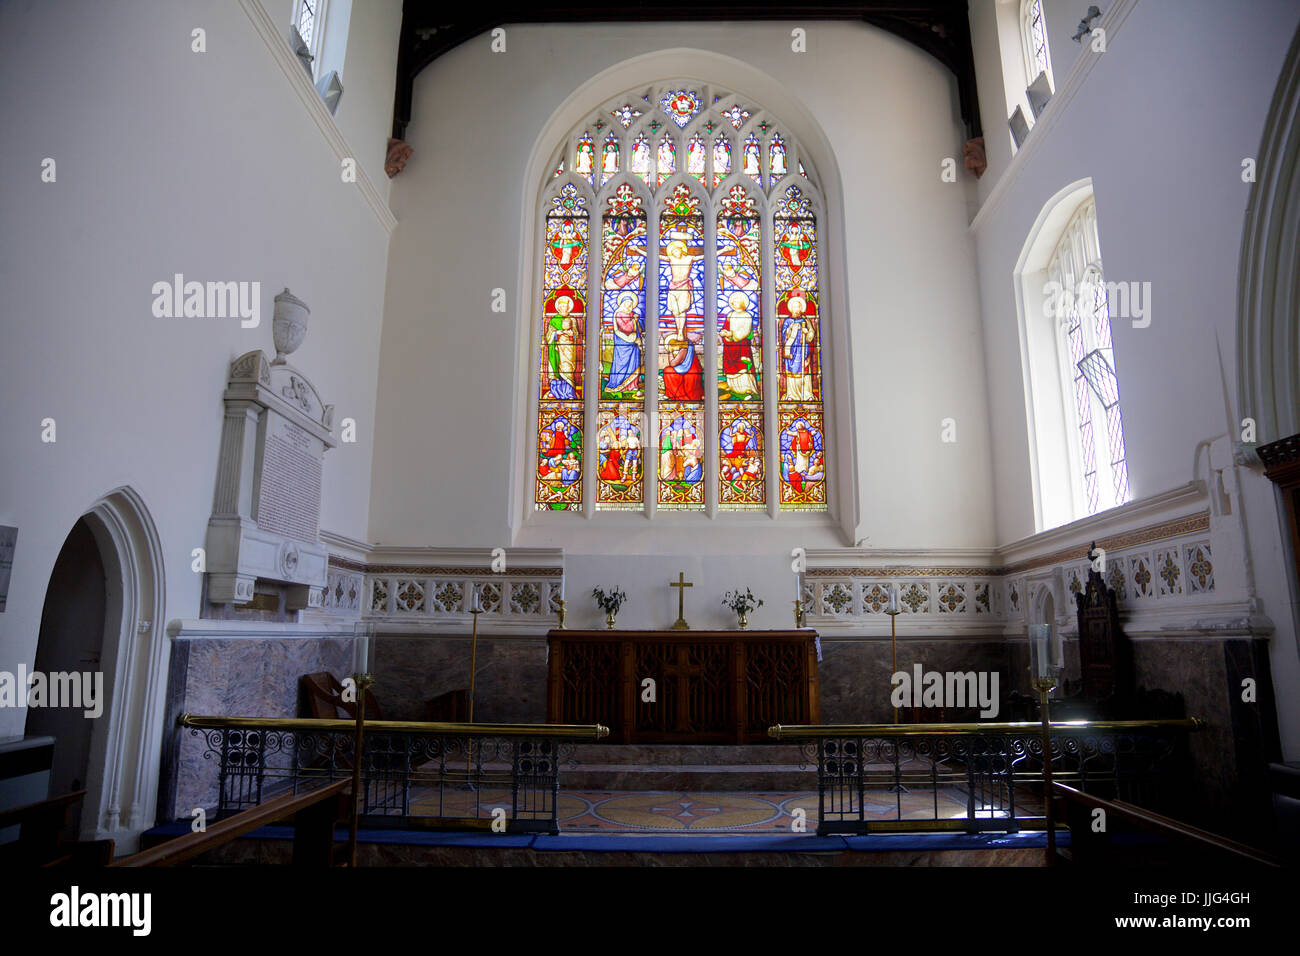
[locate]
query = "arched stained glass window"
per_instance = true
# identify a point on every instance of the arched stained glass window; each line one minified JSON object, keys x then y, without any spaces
{"x":702,"y":253}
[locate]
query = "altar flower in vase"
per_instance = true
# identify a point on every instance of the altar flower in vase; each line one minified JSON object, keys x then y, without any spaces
{"x":741,"y":604}
{"x":609,"y":603}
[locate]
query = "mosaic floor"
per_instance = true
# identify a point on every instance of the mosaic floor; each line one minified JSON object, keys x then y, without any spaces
{"x":717,"y":812}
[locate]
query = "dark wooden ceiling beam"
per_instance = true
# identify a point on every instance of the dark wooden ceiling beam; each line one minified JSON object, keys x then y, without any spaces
{"x":939,"y":27}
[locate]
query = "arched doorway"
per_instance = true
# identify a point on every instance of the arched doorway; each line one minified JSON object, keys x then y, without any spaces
{"x":71,"y":643}
{"x":105,"y":601}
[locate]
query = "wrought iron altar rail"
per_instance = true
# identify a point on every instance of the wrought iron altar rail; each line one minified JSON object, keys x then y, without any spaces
{"x":413,"y":773}
{"x":976,"y":776}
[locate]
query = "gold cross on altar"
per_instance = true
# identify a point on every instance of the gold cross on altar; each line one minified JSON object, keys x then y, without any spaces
{"x":681,"y":584}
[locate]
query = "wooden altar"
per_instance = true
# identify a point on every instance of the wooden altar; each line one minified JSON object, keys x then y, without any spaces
{"x":710,"y":686}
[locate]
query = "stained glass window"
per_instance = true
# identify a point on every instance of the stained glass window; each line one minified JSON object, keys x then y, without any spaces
{"x":721,"y":160}
{"x":609,"y":165}
{"x":667,"y":159}
{"x":564,"y":319}
{"x":713,"y":257}
{"x":740,"y":354}
{"x":696,"y":157}
{"x":622,"y":353}
{"x":800,"y":423}
{"x":681,"y":337}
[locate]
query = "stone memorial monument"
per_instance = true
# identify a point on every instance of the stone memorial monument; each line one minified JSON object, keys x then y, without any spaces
{"x":266,"y":510}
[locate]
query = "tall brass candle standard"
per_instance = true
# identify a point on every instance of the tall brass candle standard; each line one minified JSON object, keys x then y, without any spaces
{"x":1044,"y":685}
{"x":363,"y":681}
{"x":473,"y":668}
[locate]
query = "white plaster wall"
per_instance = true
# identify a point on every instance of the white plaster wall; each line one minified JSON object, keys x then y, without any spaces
{"x":168,"y":161}
{"x":365,"y":113}
{"x":1161,"y":125}
{"x":447,"y":404}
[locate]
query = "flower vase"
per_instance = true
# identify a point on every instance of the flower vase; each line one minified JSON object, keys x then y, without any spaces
{"x":742,"y":620}
{"x":609,"y":621}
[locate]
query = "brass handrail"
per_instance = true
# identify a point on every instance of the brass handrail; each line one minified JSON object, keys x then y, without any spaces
{"x":803,"y":731}
{"x":576,"y":731}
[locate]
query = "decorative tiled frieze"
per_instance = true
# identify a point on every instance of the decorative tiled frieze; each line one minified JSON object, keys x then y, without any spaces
{"x":1179,"y":570}
{"x":1200,"y":572}
{"x":343,"y":589}
{"x":433,"y":593}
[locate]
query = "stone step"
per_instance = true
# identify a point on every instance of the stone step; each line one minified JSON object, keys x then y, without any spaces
{"x":688,"y":767}
{"x":754,"y":755}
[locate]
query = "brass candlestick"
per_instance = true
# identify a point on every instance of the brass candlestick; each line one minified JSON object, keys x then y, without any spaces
{"x":473,"y":667}
{"x":363,"y":682}
{"x":893,"y":646}
{"x":560,"y":613}
{"x":798,"y":615}
{"x":1044,"y":685}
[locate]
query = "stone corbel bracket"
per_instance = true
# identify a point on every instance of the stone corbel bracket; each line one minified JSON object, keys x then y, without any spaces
{"x":269,"y":406}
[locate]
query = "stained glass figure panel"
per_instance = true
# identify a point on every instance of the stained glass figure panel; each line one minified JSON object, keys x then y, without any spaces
{"x":776,"y":159}
{"x":803,"y":457}
{"x":753,"y":159}
{"x":681,"y":456}
{"x":609,"y":163}
{"x":681,"y":297}
{"x":798,"y":322}
{"x":739,"y":298}
{"x":667,"y":159}
{"x":559,"y":456}
{"x":740,"y":457}
{"x":584,"y":159}
{"x":561,"y":350}
{"x":618,"y":456}
{"x":696,"y":157}
{"x":623,"y":298}
{"x":640,"y":165}
{"x":721,"y":160}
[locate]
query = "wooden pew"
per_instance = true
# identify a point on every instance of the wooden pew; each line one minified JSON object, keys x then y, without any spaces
{"x":315,"y":814}
{"x":1088,"y":847}
{"x":40,"y":843}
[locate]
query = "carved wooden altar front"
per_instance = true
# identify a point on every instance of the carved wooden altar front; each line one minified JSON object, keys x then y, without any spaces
{"x":709,"y":686}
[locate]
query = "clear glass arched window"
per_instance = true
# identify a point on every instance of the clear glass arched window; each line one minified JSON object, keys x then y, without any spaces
{"x":679,"y":315}
{"x":1033,"y":41}
{"x":1086,"y":354}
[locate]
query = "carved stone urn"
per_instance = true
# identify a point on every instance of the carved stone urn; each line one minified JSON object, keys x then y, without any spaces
{"x":288,"y":324}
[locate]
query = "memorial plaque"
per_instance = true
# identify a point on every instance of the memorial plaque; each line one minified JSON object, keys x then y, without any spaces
{"x":288,"y":500}
{"x":8,"y":539}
